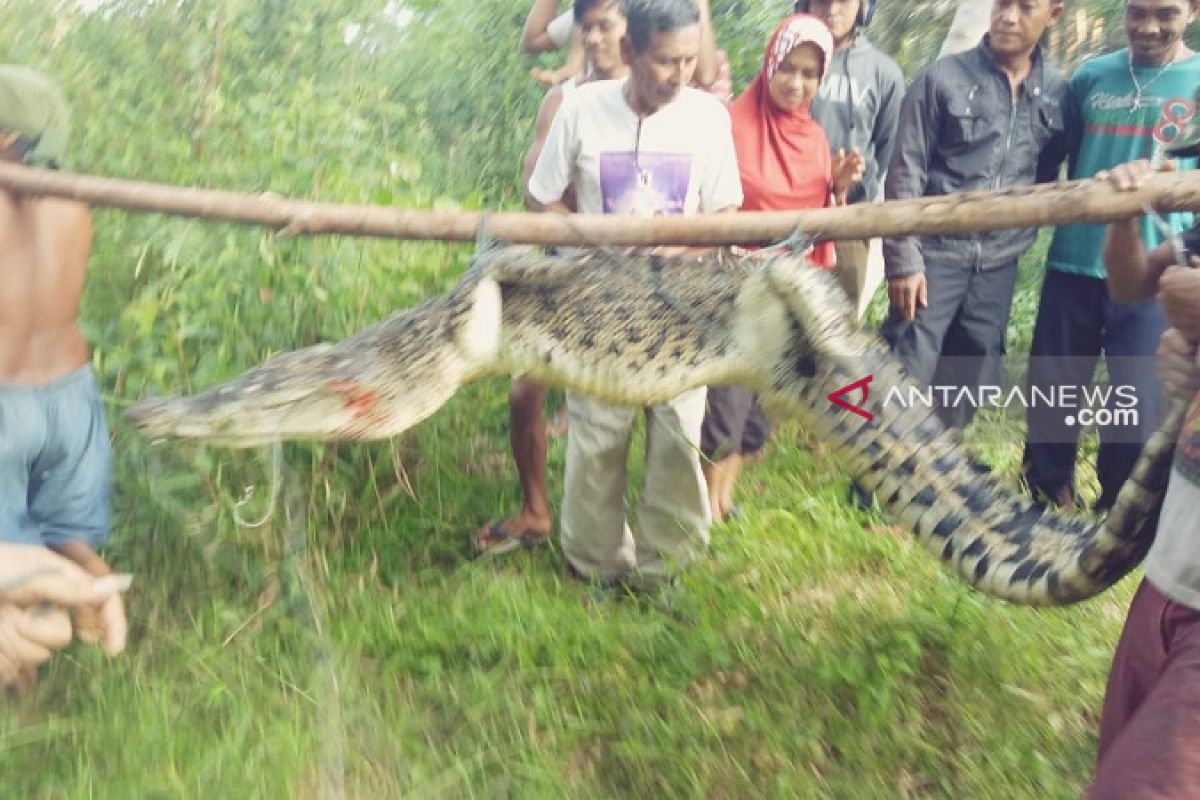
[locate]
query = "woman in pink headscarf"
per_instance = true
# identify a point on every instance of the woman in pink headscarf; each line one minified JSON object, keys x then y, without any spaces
{"x":785,"y":164}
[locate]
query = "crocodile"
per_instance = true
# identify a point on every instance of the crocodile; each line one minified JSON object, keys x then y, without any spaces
{"x":638,"y":330}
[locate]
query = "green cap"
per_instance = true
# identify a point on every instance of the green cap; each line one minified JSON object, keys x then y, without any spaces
{"x":1187,"y":143}
{"x":34,"y":107}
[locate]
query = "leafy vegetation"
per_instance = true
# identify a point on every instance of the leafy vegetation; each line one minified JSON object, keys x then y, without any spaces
{"x":325,"y":631}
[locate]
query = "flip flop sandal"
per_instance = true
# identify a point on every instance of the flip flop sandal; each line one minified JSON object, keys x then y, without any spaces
{"x":498,"y":541}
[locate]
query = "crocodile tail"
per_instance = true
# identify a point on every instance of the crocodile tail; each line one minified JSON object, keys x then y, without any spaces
{"x":994,"y":537}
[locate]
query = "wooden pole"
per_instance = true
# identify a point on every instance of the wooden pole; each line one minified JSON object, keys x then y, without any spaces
{"x":1047,"y":204}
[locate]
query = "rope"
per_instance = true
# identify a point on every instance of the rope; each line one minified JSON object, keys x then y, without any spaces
{"x":248,"y":492}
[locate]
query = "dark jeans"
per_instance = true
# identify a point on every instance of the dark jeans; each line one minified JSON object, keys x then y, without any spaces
{"x":958,"y":339}
{"x":1150,"y":726}
{"x":1076,"y":322}
{"x":734,"y":423}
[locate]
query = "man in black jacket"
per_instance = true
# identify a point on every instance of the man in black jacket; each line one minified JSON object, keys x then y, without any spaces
{"x":989,"y":118}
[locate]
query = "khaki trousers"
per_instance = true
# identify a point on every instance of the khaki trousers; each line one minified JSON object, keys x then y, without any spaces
{"x":672,"y":516}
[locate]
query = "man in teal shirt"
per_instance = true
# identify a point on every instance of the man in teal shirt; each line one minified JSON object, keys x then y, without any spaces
{"x":1125,"y":106}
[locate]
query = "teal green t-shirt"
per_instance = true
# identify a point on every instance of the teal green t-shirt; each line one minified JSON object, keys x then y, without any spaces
{"x":1105,"y":129}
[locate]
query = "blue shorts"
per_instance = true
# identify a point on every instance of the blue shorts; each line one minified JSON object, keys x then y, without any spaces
{"x":55,"y":462}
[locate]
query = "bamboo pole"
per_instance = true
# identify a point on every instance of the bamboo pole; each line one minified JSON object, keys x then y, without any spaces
{"x":1046,"y":204}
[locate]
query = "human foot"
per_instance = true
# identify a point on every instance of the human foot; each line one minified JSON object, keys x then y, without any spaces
{"x":728,"y":470}
{"x":712,"y":481}
{"x":524,"y":530}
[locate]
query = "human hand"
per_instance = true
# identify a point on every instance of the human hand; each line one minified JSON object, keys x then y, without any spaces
{"x":28,"y":636}
{"x":545,"y":78}
{"x":30,"y":575}
{"x":549,"y":78}
{"x":1178,"y":371}
{"x":1131,"y":175}
{"x":908,"y":293}
{"x":102,"y":621}
{"x":37,"y":589}
{"x":1179,"y":293}
{"x":847,"y":169}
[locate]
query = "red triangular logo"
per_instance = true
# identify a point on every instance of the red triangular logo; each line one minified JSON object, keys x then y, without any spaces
{"x":838,"y":400}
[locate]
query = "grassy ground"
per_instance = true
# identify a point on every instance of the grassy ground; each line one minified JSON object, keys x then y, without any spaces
{"x":349,"y":646}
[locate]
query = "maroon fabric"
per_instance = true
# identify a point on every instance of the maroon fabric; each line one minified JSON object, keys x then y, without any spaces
{"x":1150,"y":727}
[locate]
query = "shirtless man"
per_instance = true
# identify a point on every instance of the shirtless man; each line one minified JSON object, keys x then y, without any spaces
{"x":54,"y":452}
{"x":602,"y":24}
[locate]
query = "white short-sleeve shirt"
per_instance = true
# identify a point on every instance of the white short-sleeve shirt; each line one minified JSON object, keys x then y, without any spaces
{"x":678,"y":160}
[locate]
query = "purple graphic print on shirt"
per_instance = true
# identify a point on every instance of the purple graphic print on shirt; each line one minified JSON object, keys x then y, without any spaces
{"x":645,"y":184}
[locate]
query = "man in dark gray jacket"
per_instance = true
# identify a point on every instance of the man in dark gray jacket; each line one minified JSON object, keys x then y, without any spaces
{"x":858,"y":106}
{"x":988,"y":118}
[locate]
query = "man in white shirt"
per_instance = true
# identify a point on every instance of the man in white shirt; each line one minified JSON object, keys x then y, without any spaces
{"x":602,"y":23}
{"x":647,"y":145}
